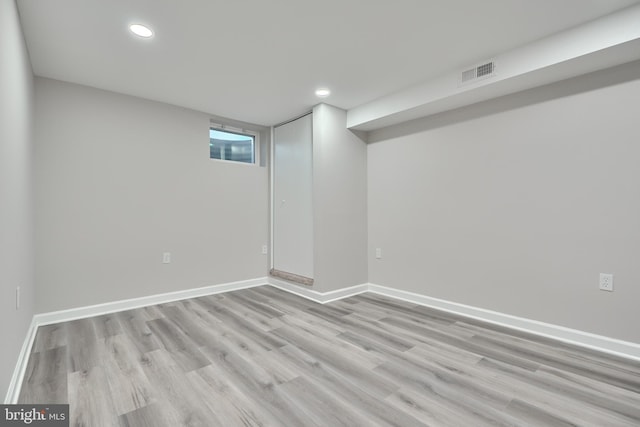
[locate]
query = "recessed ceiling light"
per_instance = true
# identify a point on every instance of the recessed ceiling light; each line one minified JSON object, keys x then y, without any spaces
{"x":323,"y":93}
{"x":141,"y":30}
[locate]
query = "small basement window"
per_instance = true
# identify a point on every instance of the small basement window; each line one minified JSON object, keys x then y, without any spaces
{"x":232,"y":146}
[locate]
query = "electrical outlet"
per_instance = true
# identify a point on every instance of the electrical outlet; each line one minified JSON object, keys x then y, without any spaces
{"x":265,"y":250}
{"x":606,"y":282}
{"x":166,"y":258}
{"x":18,"y":298}
{"x":378,"y":253}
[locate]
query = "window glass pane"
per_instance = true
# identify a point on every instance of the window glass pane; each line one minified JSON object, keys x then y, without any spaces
{"x":231,"y":146}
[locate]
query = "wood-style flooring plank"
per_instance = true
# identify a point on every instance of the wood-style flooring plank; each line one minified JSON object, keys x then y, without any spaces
{"x":49,"y":337}
{"x":90,"y":403}
{"x":134,"y":325}
{"x":45,"y":379}
{"x":231,"y":406}
{"x":240,"y":322}
{"x":157,"y":414}
{"x":361,"y":400}
{"x":348,"y":364}
{"x":168,"y":381}
{"x":129,"y":386}
{"x":82,"y":345}
{"x":322,"y":406}
{"x":106,"y":325}
{"x":257,"y":383}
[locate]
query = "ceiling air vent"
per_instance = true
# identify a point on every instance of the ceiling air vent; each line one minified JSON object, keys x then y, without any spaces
{"x":478,"y":72}
{"x":468,"y":75}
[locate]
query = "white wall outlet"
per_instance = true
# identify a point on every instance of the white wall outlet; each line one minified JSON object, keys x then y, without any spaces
{"x":166,"y":258}
{"x":265,"y":250}
{"x":606,"y":282}
{"x":378,"y":253}
{"x":18,"y":298}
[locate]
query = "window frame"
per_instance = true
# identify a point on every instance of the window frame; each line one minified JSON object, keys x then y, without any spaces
{"x":238,"y":131}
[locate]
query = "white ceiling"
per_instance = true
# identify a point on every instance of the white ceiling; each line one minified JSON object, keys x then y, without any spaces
{"x":260,"y":61}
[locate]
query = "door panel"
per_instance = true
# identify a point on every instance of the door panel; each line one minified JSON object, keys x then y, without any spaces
{"x":293,"y":198}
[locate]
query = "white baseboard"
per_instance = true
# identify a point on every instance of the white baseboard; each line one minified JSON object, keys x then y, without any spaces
{"x":626,"y":349}
{"x":21,"y":365}
{"x":128,"y":304}
{"x":319,"y":297}
{"x":601,"y":343}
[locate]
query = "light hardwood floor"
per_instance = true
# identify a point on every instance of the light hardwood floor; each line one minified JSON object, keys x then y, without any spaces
{"x":264,"y":357}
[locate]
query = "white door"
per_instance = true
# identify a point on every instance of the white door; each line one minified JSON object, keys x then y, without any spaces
{"x":293,"y":198}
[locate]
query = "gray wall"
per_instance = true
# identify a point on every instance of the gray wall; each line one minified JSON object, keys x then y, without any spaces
{"x":119,"y":181}
{"x":16,"y":195}
{"x":517,"y":204}
{"x":339,"y":201}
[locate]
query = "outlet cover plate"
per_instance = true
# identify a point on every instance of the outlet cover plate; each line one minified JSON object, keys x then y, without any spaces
{"x":606,"y":282}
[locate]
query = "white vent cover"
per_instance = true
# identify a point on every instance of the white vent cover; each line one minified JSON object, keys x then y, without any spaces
{"x":468,"y":75}
{"x":478,"y":72}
